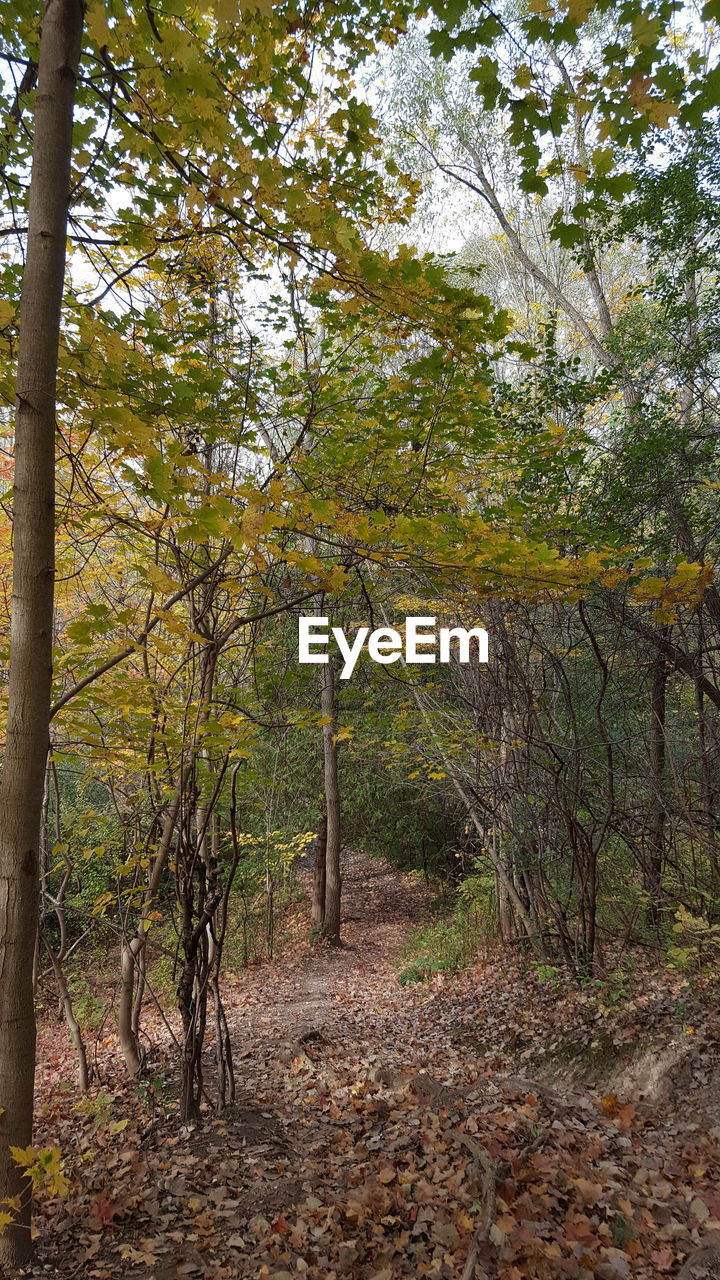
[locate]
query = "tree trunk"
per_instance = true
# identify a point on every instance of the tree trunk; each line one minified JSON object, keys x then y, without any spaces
{"x":23,"y":776}
{"x":72,"y":1023}
{"x":707,"y":791}
{"x":317,"y":911}
{"x":331,"y":923}
{"x":505,"y":916}
{"x":656,"y":822}
{"x":132,"y":952}
{"x":503,"y":823}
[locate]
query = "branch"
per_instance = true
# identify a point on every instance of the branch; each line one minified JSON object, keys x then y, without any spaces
{"x":14,"y":116}
{"x":173,"y":600}
{"x":136,"y":644}
{"x":677,"y":657}
{"x":487,"y":192}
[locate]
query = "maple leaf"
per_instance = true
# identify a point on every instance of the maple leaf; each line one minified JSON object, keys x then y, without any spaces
{"x":102,"y":1210}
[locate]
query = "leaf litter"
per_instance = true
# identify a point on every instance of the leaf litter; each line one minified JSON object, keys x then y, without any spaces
{"x":482,"y":1126}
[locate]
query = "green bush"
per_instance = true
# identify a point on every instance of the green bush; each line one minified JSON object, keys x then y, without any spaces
{"x":445,"y":946}
{"x":697,"y":941}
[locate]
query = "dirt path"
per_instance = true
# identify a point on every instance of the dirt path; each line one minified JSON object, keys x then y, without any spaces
{"x":379,"y":1135}
{"x":310,"y":992}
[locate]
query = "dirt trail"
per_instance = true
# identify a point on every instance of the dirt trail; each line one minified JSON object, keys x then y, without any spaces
{"x":312,"y":990}
{"x":378,"y":1134}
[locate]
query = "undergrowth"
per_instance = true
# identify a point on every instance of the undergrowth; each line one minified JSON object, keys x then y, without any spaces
{"x":443,"y":946}
{"x":463,"y":925}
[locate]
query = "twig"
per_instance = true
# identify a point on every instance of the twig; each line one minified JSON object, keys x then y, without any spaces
{"x":486,"y":1174}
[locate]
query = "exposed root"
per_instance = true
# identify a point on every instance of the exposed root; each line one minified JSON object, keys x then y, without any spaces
{"x":486,"y":1172}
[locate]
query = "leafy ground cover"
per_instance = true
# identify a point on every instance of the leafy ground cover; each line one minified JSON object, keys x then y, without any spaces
{"x":500,"y":1123}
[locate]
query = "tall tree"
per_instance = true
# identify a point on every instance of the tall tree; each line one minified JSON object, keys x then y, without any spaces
{"x":31,"y":634}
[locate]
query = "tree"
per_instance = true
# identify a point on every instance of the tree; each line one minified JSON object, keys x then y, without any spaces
{"x":31,"y":636}
{"x":317,"y":906}
{"x":333,"y":883}
{"x":272,"y":411}
{"x":119,"y":46}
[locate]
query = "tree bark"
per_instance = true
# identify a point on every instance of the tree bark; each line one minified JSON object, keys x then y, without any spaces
{"x":708,"y":803}
{"x":23,"y":776}
{"x":656,"y":823}
{"x":131,"y":977}
{"x":317,"y":910}
{"x":73,"y":1025}
{"x":333,"y":886}
{"x":503,"y":823}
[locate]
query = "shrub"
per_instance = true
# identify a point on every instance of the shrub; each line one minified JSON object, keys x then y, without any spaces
{"x":698,"y":941}
{"x":445,"y":946}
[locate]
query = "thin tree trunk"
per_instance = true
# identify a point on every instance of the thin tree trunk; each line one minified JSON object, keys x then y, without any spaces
{"x":503,"y":823}
{"x":333,"y":887}
{"x":132,"y":954}
{"x":591,"y":890}
{"x":317,"y":911}
{"x":707,"y":793}
{"x":463,"y":787}
{"x":23,"y":776}
{"x":656,"y":823}
{"x":73,"y":1025}
{"x":506,"y":919}
{"x":42,"y":877}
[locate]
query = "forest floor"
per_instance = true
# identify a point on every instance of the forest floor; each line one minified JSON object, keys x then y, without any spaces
{"x":496,"y":1125}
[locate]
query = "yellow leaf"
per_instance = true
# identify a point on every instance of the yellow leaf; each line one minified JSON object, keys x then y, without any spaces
{"x":23,"y":1156}
{"x":659,"y":112}
{"x":160,"y":580}
{"x":96,"y":23}
{"x":578,"y":10}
